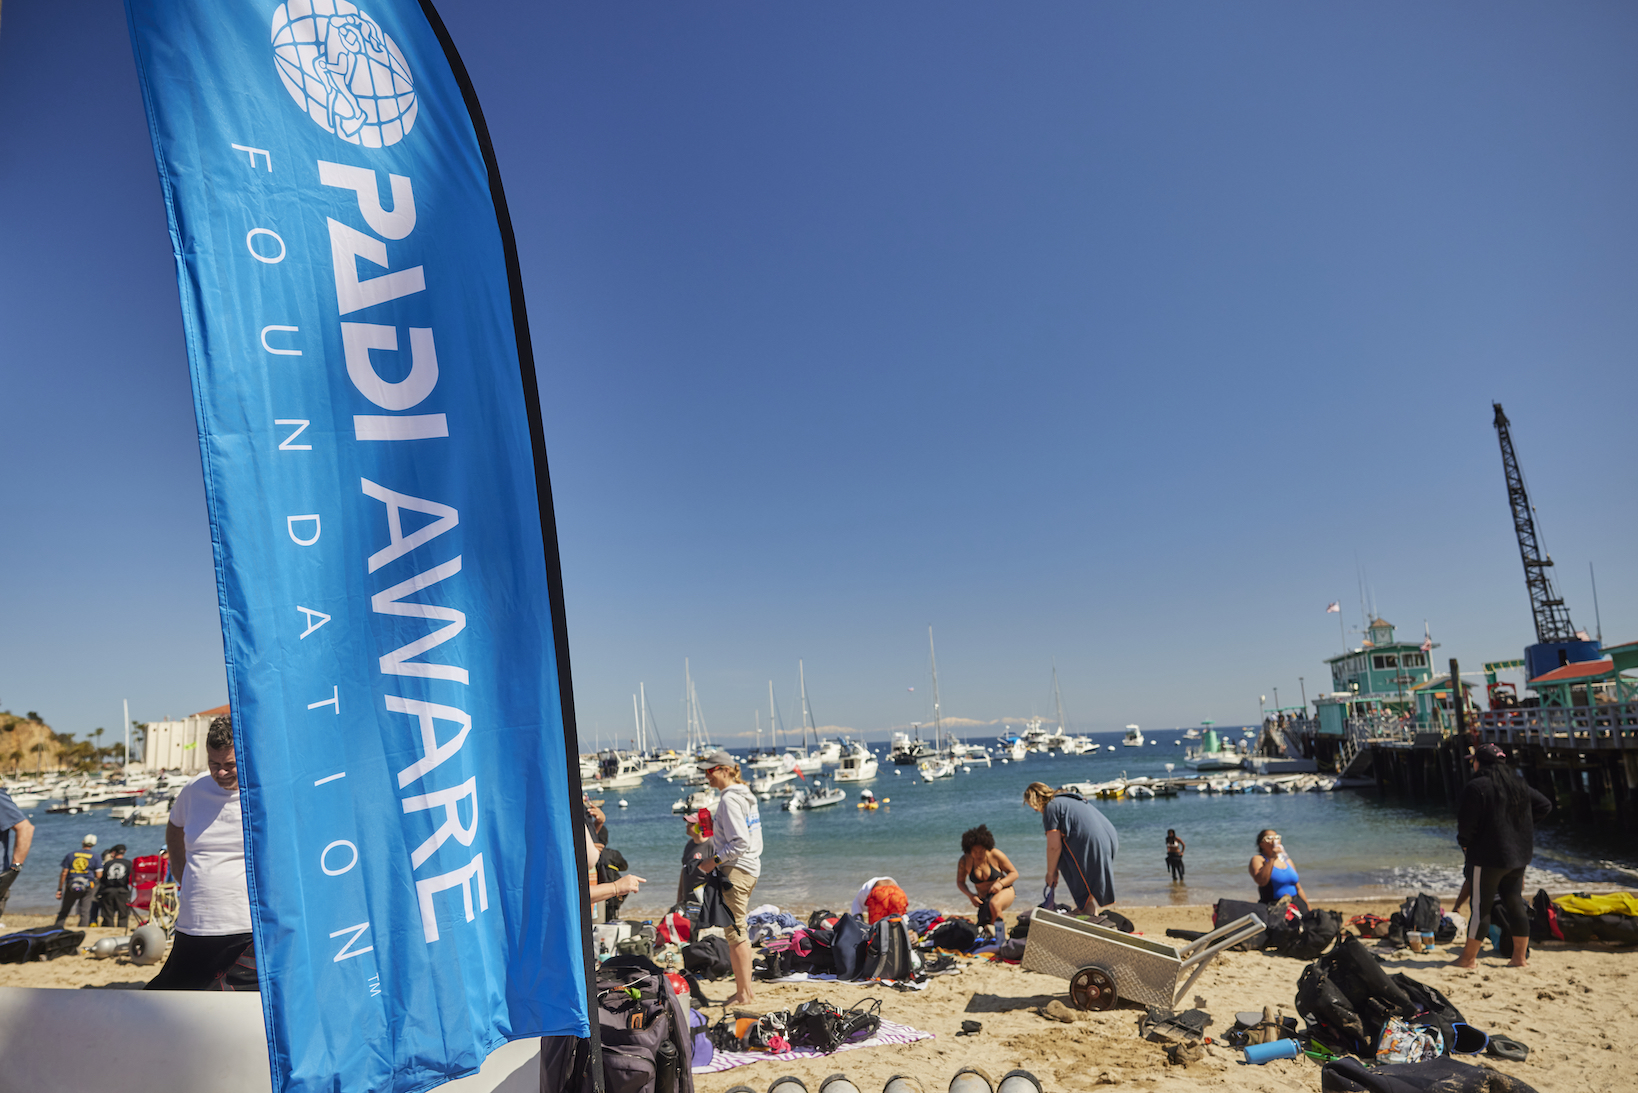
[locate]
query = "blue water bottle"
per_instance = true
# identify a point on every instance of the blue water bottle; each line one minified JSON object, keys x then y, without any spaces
{"x":1267,"y":1053}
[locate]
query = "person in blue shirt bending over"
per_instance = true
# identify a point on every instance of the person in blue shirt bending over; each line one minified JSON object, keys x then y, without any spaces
{"x":1275,"y":872}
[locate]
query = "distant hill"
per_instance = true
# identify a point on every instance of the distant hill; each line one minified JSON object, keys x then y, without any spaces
{"x":18,"y":737}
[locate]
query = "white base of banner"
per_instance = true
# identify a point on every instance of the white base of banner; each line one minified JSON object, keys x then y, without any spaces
{"x":54,"y":1040}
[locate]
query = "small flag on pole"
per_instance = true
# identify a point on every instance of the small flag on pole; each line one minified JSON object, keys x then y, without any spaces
{"x":1427,"y":639}
{"x":1335,"y":608}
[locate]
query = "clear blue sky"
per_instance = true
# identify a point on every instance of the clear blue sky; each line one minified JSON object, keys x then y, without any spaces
{"x":1128,"y":335}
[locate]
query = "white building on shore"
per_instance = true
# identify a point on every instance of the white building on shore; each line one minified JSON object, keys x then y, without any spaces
{"x":178,"y":745}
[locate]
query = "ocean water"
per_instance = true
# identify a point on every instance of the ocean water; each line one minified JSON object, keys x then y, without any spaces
{"x":1346,"y":843}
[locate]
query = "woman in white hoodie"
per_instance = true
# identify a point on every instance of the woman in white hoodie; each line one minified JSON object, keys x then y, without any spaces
{"x":736,"y":847}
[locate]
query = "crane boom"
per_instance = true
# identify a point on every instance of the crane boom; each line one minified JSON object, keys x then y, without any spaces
{"x":1552,"y":617}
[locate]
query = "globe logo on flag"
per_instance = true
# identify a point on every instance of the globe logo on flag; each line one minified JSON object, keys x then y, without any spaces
{"x":344,"y":71}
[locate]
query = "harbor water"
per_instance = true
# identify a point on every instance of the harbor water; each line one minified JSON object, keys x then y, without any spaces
{"x":1347,"y":843}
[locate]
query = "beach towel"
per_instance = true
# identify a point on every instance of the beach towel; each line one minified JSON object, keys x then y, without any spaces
{"x":888,"y":1033}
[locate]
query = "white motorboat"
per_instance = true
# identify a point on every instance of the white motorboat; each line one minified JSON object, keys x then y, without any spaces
{"x":765,"y":785}
{"x":147,"y":815}
{"x":620,"y":770}
{"x":934,"y":769}
{"x":1139,"y":791}
{"x":858,"y":765}
{"x":828,"y":753}
{"x":907,"y":750}
{"x":1133,"y":738}
{"x":807,"y":800}
{"x":705,"y":798}
{"x":1012,"y":747}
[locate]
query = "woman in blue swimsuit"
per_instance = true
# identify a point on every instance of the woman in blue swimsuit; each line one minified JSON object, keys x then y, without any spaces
{"x":1275,"y":872}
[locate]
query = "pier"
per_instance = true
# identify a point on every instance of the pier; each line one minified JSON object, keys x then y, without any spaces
{"x":1582,"y":758}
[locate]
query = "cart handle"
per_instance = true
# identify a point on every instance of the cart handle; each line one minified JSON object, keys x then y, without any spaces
{"x":1202,"y":949}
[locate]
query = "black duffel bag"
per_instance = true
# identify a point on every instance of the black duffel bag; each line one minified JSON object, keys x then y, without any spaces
{"x":708,"y":958}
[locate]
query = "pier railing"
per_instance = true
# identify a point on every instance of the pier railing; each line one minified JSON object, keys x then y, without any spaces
{"x":1581,"y":728}
{"x":1361,"y":732}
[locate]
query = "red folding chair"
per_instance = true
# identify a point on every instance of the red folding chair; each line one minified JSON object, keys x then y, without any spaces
{"x":153,"y":896}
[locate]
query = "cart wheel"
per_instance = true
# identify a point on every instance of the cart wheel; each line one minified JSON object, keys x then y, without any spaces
{"x":1092,"y":988}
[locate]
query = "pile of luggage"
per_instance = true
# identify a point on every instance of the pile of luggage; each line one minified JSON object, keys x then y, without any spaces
{"x":1581,"y":919}
{"x":1291,"y":931}
{"x":841,"y":945}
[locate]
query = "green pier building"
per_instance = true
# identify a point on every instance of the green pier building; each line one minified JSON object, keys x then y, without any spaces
{"x":1379,"y":678}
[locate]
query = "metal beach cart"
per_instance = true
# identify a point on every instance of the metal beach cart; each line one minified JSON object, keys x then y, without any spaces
{"x":1105,"y":965}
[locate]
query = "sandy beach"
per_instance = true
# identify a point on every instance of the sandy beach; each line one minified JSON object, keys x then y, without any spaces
{"x":1572,"y":1006}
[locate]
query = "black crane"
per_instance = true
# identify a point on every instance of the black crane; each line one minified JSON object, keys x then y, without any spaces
{"x":1557,"y":641}
{"x":1552,"y":617}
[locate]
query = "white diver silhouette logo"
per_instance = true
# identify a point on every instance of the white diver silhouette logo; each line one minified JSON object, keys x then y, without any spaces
{"x":344,"y":71}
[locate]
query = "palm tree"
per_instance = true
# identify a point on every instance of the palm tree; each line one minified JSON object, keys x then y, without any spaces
{"x":16,"y":757}
{"x":39,"y":756}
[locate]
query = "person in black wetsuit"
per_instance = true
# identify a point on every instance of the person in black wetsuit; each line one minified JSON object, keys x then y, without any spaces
{"x":1174,"y":854}
{"x":114,"y":894}
{"x":1496,"y":827}
{"x":992,"y":874}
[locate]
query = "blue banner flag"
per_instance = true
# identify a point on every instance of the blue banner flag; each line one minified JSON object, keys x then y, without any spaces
{"x":386,"y":556}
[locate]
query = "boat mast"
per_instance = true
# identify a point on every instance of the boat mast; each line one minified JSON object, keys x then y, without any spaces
{"x":773,"y":717}
{"x":1063,"y":730}
{"x":648,"y":719}
{"x":938,"y":725}
{"x":688,"y":708}
{"x":802,"y":682}
{"x":637,"y":720}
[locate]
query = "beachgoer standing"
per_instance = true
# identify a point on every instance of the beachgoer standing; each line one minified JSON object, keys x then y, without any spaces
{"x":1080,"y":842}
{"x":1174,"y":854}
{"x":212,"y":948}
{"x":695,"y":856}
{"x":993,"y":876}
{"x":736,"y":845}
{"x":114,"y":893}
{"x":78,"y":881}
{"x":1274,"y":871}
{"x":12,"y":856}
{"x":1496,"y":826}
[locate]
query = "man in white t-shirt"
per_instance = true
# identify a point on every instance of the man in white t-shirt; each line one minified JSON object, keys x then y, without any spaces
{"x":206,"y":840}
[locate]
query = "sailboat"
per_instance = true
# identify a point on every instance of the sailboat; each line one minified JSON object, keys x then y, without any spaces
{"x":767,"y":760}
{"x":698,"y":742}
{"x":1070,"y":745}
{"x":940,"y":764}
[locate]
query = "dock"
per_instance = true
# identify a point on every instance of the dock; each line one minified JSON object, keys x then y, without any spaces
{"x":1582,"y":758}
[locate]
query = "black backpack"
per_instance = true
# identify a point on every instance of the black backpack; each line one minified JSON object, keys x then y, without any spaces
{"x":1421,"y":913}
{"x":955,"y":934}
{"x":847,"y":946}
{"x":1346,"y":997}
{"x":889,"y":954}
{"x":1306,"y":936}
{"x":707,"y":958}
{"x":648,"y":1046}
